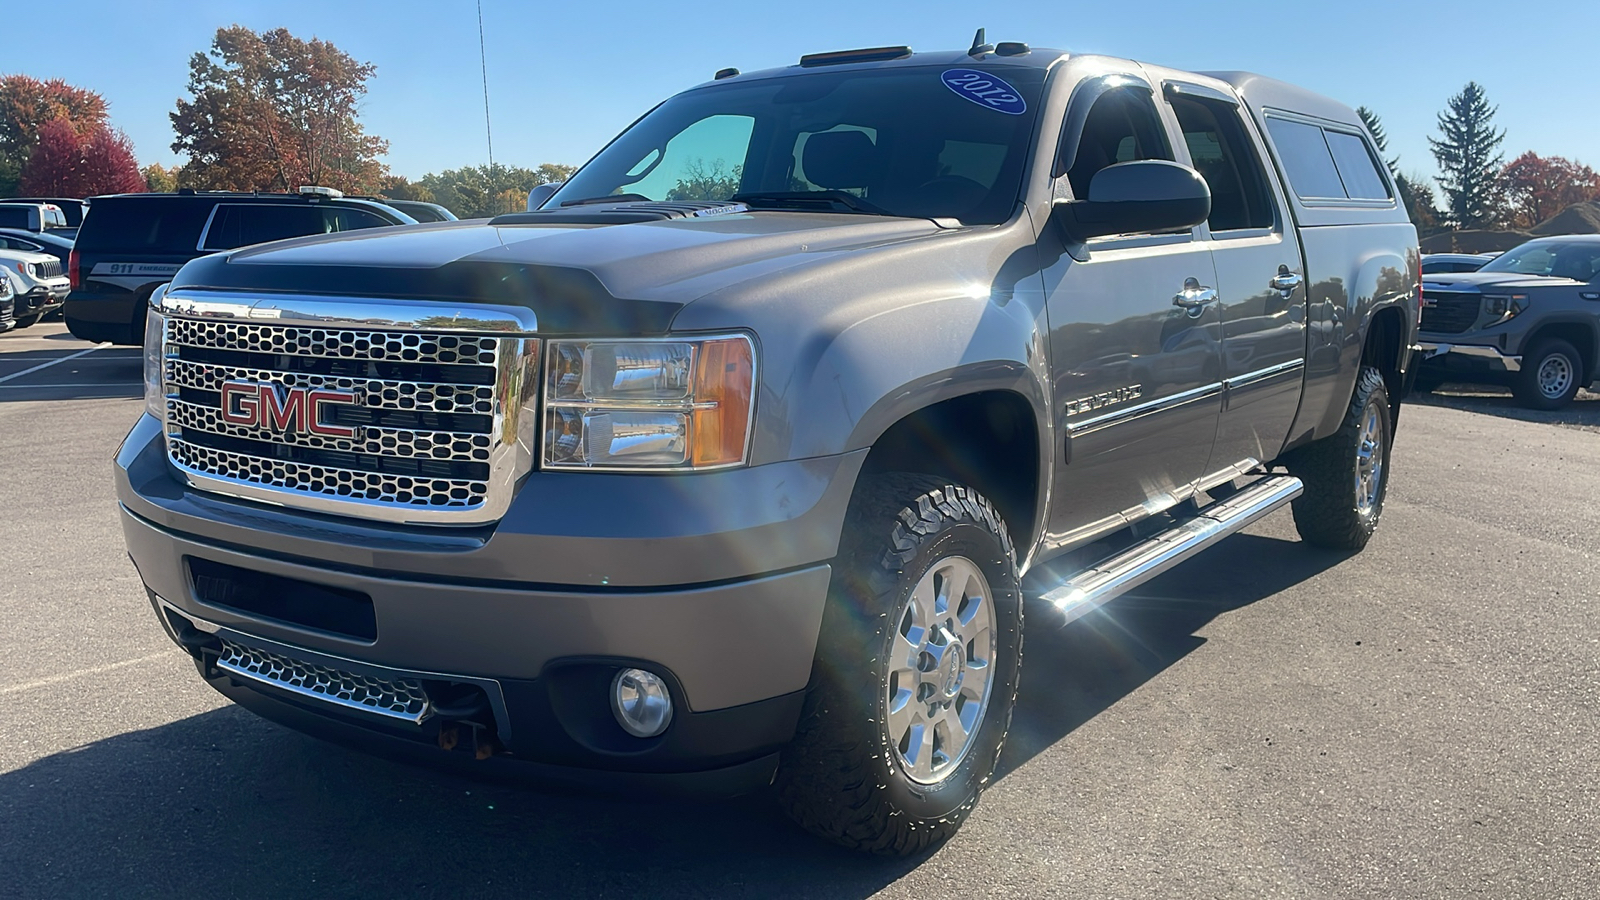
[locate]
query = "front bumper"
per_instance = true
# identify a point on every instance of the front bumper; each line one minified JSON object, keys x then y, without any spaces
{"x":1472,"y":356}
{"x":456,"y":608}
{"x":39,"y":300}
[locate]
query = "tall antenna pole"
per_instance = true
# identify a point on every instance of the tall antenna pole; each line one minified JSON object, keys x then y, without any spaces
{"x":483,"y":64}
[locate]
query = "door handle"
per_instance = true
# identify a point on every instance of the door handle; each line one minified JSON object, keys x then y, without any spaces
{"x":1194,"y":298}
{"x":1285,"y":280}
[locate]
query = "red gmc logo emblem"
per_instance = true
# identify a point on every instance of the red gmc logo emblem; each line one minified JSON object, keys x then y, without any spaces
{"x":283,"y":409}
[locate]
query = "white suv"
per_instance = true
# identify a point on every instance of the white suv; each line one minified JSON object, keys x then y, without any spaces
{"x":36,"y":278}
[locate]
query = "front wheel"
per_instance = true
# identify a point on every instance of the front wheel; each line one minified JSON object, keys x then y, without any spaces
{"x":916,"y":672}
{"x":1346,"y":474}
{"x":28,"y":321}
{"x":1550,"y":377}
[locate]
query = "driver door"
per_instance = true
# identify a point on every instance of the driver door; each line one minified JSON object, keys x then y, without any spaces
{"x":1135,"y":340}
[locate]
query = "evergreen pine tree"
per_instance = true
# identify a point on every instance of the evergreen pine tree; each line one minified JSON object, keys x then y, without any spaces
{"x":1467,"y":151}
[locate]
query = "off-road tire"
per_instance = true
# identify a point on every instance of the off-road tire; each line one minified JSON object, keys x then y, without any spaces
{"x":1327,"y":514}
{"x":840,"y":778}
{"x":28,"y":321}
{"x":1526,"y":383}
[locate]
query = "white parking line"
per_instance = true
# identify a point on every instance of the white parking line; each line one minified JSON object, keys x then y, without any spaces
{"x":54,"y":361}
{"x":83,"y":673}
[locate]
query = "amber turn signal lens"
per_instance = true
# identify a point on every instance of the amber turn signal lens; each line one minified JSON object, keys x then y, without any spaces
{"x":723,"y":376}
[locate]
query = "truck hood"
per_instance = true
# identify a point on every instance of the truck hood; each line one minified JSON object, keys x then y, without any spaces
{"x":1468,"y":280}
{"x":590,"y":279}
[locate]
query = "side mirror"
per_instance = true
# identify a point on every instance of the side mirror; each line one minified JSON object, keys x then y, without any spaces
{"x":1138,"y":197}
{"x":541,"y":193}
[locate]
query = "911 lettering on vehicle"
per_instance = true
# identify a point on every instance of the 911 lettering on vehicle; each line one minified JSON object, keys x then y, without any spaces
{"x":985,"y":90}
{"x":282,"y":409}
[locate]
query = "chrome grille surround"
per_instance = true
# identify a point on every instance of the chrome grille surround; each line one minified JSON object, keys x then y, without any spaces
{"x":398,"y":699}
{"x":444,"y":422}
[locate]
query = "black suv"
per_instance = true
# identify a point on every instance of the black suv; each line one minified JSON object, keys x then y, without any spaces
{"x":130,"y":243}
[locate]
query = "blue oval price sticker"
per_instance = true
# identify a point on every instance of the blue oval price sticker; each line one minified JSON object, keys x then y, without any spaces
{"x":985,"y":90}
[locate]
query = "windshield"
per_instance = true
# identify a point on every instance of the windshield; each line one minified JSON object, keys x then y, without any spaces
{"x":921,"y":142}
{"x":1578,"y":260}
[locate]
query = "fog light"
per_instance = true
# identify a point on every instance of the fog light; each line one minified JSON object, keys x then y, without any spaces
{"x":640,"y":701}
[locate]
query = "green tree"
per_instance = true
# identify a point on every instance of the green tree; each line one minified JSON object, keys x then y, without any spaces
{"x":159,"y":178}
{"x":273,"y":112}
{"x":1468,"y":154}
{"x":398,"y":187}
{"x":473,"y":192}
{"x":1375,"y":127}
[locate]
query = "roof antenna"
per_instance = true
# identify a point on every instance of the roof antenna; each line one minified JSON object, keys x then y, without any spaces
{"x":979,"y":47}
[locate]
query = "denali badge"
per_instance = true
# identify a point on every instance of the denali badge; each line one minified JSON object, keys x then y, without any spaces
{"x":1096,"y":401}
{"x":277,"y":408}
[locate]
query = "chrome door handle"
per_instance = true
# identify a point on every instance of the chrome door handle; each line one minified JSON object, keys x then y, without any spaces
{"x":1285,"y":281}
{"x":1194,"y":298}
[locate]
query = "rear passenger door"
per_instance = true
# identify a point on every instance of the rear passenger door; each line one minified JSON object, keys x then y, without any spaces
{"x":1260,"y":275}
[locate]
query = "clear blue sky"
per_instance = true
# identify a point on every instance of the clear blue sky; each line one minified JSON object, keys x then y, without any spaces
{"x":565,"y":77}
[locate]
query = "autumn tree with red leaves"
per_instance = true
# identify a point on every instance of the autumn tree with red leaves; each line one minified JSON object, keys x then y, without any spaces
{"x":273,"y":112}
{"x":26,"y":105}
{"x":65,"y":163}
{"x":1538,"y":187}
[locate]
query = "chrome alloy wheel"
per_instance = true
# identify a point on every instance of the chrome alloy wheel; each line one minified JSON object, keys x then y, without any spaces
{"x":1555,"y":376}
{"x":1369,"y":460}
{"x":940,"y":669}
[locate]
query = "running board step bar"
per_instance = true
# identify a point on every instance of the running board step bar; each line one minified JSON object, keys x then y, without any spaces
{"x":1089,"y":589}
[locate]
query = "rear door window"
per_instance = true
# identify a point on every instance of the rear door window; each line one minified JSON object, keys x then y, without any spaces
{"x":1222,"y":152}
{"x":243,"y":224}
{"x":144,"y":226}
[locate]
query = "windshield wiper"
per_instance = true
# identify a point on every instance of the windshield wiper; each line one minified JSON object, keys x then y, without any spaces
{"x":810,"y":201}
{"x":609,"y":198}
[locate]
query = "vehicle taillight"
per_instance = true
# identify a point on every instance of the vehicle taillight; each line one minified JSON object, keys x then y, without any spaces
{"x":72,"y":268}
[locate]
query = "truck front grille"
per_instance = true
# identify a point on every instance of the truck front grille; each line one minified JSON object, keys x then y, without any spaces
{"x":401,"y":699}
{"x":427,"y":425}
{"x":50,"y":268}
{"x":1450,"y":312}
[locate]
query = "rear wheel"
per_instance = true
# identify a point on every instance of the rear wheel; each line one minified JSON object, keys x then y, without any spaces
{"x":1346,"y":474}
{"x":1550,"y":377}
{"x":916,"y":671}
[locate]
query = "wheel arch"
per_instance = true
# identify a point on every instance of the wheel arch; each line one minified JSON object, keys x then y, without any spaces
{"x":991,"y":439}
{"x":1580,"y":333}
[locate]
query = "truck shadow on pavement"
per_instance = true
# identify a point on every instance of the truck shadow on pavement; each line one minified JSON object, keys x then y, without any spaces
{"x":1583,"y":412}
{"x":225,"y":804}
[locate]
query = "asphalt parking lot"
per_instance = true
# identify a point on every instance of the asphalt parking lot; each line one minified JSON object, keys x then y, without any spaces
{"x":1422,"y":720}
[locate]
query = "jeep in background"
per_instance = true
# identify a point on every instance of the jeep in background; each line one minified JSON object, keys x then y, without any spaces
{"x":1529,"y":319}
{"x":738,"y":461}
{"x":131,"y":243}
{"x":38,"y":282}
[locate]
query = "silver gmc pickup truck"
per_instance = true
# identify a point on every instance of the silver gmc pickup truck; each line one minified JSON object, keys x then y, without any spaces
{"x":737,"y":461}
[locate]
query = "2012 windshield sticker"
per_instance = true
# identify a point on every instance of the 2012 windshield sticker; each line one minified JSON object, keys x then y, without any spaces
{"x":985,"y":90}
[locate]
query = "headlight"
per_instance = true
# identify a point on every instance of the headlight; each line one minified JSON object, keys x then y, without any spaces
{"x":648,"y":404}
{"x":1505,"y":306}
{"x":155,"y":357}
{"x":25,"y":268}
